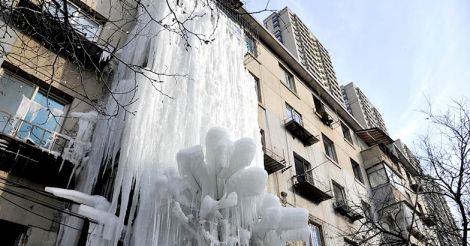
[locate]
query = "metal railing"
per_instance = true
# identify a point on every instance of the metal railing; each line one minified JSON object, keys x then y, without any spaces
{"x":33,"y":134}
{"x":308,"y":177}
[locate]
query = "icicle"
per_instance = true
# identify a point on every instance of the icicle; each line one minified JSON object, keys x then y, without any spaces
{"x":214,"y":192}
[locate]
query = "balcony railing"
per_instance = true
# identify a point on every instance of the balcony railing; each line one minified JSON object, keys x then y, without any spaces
{"x":272,"y":161}
{"x":310,"y":188}
{"x":52,"y":142}
{"x":343,"y":208}
{"x":296,"y":128}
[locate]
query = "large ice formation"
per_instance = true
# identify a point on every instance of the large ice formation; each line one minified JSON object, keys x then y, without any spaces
{"x":213,"y":194}
{"x":194,"y":205}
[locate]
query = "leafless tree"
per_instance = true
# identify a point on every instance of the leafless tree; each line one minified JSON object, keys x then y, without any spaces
{"x":445,"y":156}
{"x":40,"y":36}
{"x":443,"y":179}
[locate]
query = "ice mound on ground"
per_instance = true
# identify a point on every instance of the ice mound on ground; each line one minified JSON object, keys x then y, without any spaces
{"x":188,"y":210}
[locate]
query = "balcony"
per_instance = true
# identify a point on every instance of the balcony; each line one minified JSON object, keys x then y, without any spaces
{"x":272,"y":161}
{"x":388,"y":194}
{"x":300,"y":132}
{"x":343,"y":208}
{"x":311,"y":189}
{"x":378,"y":154}
{"x":45,"y":22}
{"x":32,"y":152}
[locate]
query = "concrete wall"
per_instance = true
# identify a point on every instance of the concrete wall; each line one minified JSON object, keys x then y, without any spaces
{"x":18,"y":204}
{"x":272,"y":113}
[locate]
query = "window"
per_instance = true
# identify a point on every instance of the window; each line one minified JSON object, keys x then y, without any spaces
{"x":338,"y":190}
{"x":420,"y":208}
{"x":319,"y":106}
{"x":330,"y":148}
{"x":251,"y":44}
{"x":36,"y":115}
{"x":288,"y":79}
{"x":367,"y":210}
{"x":78,"y":19}
{"x":257,"y":89}
{"x":357,"y":171}
{"x":316,"y":235}
{"x":346,"y":133}
{"x":292,"y":114}
{"x":302,"y":169}
{"x":377,"y":176}
{"x":12,"y":233}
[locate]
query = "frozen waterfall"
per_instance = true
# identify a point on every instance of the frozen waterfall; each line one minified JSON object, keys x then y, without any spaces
{"x":181,"y":180}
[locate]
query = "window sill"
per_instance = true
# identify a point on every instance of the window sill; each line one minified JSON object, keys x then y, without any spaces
{"x":332,"y":161}
{"x":359,"y":182}
{"x":293,"y":92}
{"x":250,"y":55}
{"x":350,"y":144}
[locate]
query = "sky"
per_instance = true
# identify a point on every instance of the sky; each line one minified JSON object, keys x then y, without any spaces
{"x":401,"y":53}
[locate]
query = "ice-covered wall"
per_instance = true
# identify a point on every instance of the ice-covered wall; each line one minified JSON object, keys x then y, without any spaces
{"x":189,"y":188}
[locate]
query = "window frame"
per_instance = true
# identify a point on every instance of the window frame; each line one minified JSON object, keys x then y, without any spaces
{"x":258,"y":88}
{"x":38,"y":89}
{"x":294,"y":114}
{"x":330,"y":143}
{"x":318,"y":105}
{"x":320,"y":230}
{"x":77,"y":13}
{"x":288,"y":80}
{"x":251,"y":44}
{"x":306,"y":168}
{"x":357,"y":171}
{"x":367,"y":209}
{"x":341,"y":190}
{"x":346,"y":133}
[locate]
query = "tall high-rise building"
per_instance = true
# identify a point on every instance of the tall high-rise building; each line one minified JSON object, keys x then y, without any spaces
{"x":361,"y":108}
{"x":306,"y":48}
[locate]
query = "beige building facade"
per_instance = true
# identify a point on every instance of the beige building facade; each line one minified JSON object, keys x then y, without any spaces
{"x":41,"y":86}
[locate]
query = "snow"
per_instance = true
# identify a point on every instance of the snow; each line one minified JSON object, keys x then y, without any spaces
{"x":193,"y":185}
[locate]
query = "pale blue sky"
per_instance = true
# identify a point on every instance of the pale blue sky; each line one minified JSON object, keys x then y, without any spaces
{"x":398,"y":51}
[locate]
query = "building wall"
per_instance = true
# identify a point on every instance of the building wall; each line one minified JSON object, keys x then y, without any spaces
{"x":19,"y":205}
{"x":23,"y":202}
{"x":306,"y":48}
{"x":272,"y":115}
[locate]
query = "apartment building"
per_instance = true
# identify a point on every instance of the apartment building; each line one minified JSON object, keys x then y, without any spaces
{"x":345,"y":174}
{"x":289,"y":29}
{"x":361,"y":108}
{"x":318,"y":155}
{"x":46,"y":75}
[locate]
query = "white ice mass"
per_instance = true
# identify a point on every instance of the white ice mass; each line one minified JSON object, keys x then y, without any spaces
{"x":180,"y":179}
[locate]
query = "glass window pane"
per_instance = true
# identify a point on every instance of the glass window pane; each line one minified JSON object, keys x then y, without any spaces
{"x":45,"y":119}
{"x":378,"y":177}
{"x":315,"y":235}
{"x":11,"y":93}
